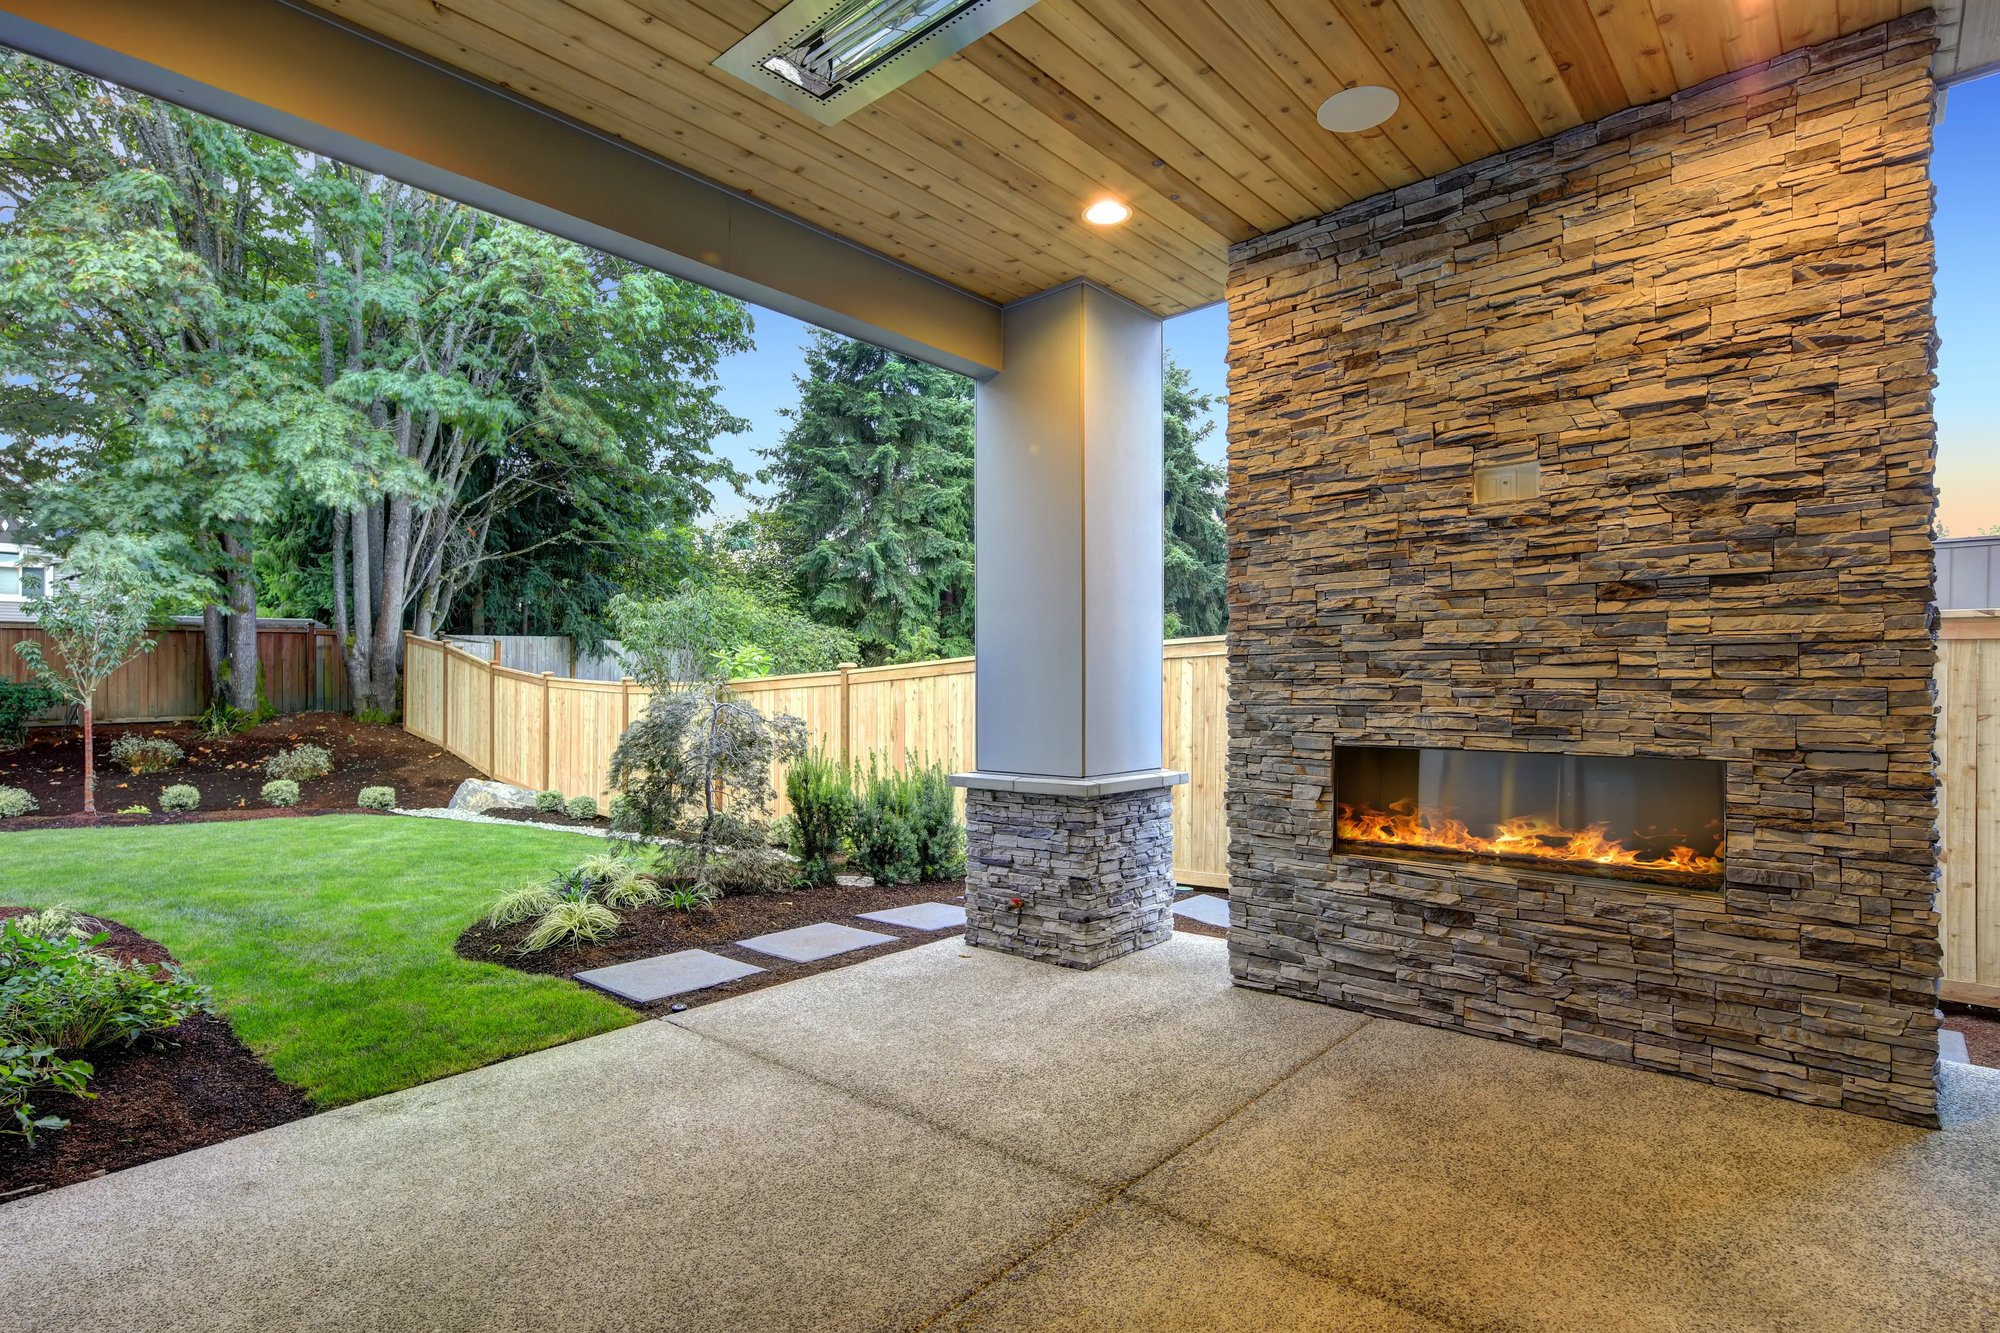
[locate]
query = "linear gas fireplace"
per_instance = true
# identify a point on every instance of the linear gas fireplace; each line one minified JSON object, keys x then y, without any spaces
{"x":1655,"y":821}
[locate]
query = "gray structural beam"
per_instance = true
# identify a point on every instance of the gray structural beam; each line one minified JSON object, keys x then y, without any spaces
{"x":296,"y":75}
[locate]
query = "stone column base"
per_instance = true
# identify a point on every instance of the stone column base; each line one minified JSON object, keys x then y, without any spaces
{"x":1072,"y":879}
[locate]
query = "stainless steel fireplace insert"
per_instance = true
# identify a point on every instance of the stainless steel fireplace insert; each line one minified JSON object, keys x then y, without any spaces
{"x":1652,"y":821}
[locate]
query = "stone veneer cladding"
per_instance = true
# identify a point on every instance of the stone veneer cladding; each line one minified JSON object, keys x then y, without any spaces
{"x":1093,"y":876}
{"x":1709,"y":320}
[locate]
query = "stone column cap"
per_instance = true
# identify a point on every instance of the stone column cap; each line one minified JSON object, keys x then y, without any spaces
{"x":1042,"y":784}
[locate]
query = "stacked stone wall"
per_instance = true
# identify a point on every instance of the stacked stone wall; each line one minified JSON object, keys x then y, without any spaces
{"x":1708,"y":322}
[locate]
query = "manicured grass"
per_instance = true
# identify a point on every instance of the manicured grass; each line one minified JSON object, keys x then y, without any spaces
{"x":328,"y":941}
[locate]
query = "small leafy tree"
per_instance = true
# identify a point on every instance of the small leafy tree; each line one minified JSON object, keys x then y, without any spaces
{"x":697,"y":767}
{"x":96,"y":620}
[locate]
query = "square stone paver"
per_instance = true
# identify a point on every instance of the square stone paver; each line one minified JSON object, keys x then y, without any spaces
{"x":809,"y":944}
{"x":1205,"y":908}
{"x":651,"y":979}
{"x":921,"y":916}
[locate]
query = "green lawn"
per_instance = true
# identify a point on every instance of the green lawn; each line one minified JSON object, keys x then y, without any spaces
{"x":328,"y":940}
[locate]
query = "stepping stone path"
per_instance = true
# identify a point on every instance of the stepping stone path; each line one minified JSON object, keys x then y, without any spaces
{"x":920,"y":916}
{"x":1951,"y":1046}
{"x":809,"y":944}
{"x":651,"y":979}
{"x":1205,"y":908}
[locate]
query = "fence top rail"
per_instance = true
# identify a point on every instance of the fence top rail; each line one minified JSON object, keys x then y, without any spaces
{"x":1207,"y":646}
{"x":1969,"y":625}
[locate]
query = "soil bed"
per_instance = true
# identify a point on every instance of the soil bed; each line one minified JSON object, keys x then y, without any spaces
{"x":1981,"y":1030}
{"x":553,"y":818}
{"x":650,"y":931}
{"x":185,"y":1088}
{"x":228,"y":771}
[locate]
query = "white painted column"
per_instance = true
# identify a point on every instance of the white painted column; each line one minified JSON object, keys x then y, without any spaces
{"x":1068,"y":815}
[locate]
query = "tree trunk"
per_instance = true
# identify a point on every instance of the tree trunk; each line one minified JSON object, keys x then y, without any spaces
{"x":386,"y":655}
{"x":215,"y":643}
{"x":356,"y":645}
{"x":89,"y":763}
{"x":242,"y":626}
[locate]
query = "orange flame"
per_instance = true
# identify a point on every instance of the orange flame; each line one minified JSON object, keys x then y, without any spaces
{"x":1522,"y":836}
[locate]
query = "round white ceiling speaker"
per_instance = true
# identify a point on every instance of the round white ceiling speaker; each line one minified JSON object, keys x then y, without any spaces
{"x":1355,"y":109}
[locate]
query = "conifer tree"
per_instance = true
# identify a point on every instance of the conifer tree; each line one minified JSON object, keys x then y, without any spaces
{"x":1196,"y":545}
{"x":873,"y":501}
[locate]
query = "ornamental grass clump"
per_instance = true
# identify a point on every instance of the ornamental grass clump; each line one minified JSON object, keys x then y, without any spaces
{"x":180,"y":798}
{"x":376,"y":798}
{"x":14,"y":803}
{"x":580,"y":906}
{"x":282,"y":792}
{"x":145,"y":754}
{"x":301,"y":763}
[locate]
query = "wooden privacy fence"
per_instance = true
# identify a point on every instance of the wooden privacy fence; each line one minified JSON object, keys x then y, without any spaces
{"x":301,"y":666}
{"x":546,"y":731}
{"x":1968,"y":676}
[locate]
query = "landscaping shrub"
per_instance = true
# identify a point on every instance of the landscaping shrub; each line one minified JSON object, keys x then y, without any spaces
{"x":57,"y":994}
{"x":571,"y":921}
{"x":134,"y":810}
{"x":884,"y":832}
{"x":624,"y":814}
{"x":180,"y":798}
{"x":582,"y":807}
{"x":29,"y":1069}
{"x":145,"y":754}
{"x":376,"y":798}
{"x":739,"y":870}
{"x":282,"y":792}
{"x":14,"y":803}
{"x":61,"y":993}
{"x":301,"y":763}
{"x":687,"y":897}
{"x":821,"y":791}
{"x":19,"y":701}
{"x":549,"y":802}
{"x":58,"y":923}
{"x":936,"y":831}
{"x":617,"y":880}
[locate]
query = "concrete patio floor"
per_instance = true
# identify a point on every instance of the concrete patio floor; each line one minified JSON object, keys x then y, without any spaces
{"x":958,"y":1139}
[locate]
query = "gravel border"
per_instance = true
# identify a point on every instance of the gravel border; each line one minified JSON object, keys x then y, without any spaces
{"x":468,"y":817}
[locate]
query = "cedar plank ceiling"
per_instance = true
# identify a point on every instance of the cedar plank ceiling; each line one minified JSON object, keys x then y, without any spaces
{"x":1199,"y":113}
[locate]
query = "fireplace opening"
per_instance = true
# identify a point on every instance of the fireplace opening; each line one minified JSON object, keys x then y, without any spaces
{"x":1654,"y":821}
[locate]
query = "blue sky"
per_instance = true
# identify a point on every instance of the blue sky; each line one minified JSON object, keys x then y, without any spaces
{"x":1966,"y":167}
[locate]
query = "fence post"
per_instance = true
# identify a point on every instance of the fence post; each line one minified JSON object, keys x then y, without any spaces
{"x":548,"y":741}
{"x":624,"y":706}
{"x":492,"y":711}
{"x":444,"y":692}
{"x":846,"y":713}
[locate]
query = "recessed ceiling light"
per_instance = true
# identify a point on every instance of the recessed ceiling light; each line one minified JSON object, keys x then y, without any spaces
{"x":1106,"y":213}
{"x":1355,"y":109}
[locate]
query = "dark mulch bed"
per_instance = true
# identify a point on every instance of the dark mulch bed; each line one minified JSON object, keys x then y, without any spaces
{"x":649,"y":931}
{"x":229,"y":771}
{"x":553,"y":817}
{"x":1981,"y":1028}
{"x":191,"y":1086}
{"x":656,"y":930}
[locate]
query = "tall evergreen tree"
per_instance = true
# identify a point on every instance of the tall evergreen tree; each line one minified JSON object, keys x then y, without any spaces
{"x":873,"y":507}
{"x":1196,"y":545}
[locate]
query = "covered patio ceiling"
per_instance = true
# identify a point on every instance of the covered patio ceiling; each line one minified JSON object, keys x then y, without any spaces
{"x":1198,"y":113}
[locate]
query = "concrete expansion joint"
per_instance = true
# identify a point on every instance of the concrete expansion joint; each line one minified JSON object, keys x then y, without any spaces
{"x":1120,"y":1194}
